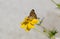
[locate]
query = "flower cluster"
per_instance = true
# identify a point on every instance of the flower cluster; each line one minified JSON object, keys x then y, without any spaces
{"x":28,"y":24}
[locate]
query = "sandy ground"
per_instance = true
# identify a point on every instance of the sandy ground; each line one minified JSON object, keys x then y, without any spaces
{"x":12,"y":12}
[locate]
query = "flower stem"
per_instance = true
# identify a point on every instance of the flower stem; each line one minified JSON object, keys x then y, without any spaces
{"x":52,"y":37}
{"x":58,"y":5}
{"x":37,"y":30}
{"x":54,"y":2}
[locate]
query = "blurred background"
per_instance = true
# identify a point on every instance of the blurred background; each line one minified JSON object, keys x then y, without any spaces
{"x":12,"y":12}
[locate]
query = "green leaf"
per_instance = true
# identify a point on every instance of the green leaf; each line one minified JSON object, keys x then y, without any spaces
{"x":52,"y":33}
{"x":58,"y":6}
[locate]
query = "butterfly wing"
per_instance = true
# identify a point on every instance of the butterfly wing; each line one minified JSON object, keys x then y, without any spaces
{"x":32,"y":14}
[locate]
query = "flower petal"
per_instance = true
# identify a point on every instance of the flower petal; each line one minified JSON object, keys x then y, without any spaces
{"x":23,"y":26}
{"x":30,"y":25}
{"x":34,"y":21}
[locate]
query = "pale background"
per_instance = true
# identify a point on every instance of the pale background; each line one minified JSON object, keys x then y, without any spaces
{"x":12,"y":12}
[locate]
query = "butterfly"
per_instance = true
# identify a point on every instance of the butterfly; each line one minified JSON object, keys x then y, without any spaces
{"x":32,"y":14}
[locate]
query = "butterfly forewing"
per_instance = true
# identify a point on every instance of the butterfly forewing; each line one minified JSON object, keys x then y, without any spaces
{"x":32,"y":14}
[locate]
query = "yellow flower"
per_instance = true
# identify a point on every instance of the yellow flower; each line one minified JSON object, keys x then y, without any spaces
{"x":28,"y":24}
{"x":34,"y":21}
